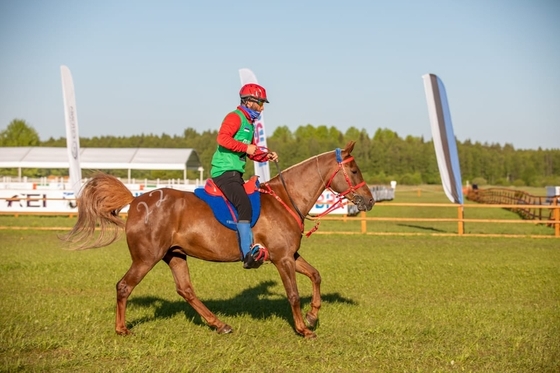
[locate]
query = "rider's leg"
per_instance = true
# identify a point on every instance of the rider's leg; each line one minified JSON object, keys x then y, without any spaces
{"x":253,"y":255}
{"x":245,"y":237}
{"x":231,"y":184}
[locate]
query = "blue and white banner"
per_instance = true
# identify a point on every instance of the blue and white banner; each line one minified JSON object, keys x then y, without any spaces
{"x":72,"y":137}
{"x":444,"y":138}
{"x":261,"y":168}
{"x":325,"y":202}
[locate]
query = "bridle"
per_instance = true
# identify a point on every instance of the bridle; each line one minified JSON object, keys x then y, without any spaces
{"x":351,"y":188}
{"x":339,"y":196}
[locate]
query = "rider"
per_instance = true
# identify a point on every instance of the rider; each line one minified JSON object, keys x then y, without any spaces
{"x":236,"y":142}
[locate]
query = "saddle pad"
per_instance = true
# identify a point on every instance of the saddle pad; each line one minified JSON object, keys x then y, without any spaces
{"x":224,"y":213}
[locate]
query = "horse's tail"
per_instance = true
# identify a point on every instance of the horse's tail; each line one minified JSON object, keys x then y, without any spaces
{"x":100,"y":201}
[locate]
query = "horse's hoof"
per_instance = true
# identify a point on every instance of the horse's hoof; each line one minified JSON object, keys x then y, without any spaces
{"x":226,"y":329}
{"x":310,"y":335}
{"x":124,"y":332}
{"x":311,"y":320}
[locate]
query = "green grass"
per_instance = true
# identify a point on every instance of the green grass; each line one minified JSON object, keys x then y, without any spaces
{"x":390,"y":304}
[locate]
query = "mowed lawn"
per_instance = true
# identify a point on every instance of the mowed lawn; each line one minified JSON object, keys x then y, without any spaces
{"x":390,"y":304}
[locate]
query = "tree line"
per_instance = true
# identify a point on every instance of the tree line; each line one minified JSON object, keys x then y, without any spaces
{"x":384,"y":157}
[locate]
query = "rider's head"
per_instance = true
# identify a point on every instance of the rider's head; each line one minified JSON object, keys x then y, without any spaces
{"x":253,"y":96}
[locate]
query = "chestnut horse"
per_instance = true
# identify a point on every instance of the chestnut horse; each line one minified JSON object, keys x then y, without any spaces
{"x":170,"y":225}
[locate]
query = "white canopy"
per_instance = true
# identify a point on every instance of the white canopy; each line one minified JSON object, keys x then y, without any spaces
{"x":101,"y":158}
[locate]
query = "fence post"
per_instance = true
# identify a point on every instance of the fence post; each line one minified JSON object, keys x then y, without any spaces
{"x":460,"y":220}
{"x":364,"y":227}
{"x":556,"y":218}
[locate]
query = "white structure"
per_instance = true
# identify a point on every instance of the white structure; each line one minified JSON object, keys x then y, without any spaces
{"x":552,"y":191}
{"x":24,"y":195}
{"x":102,"y":158}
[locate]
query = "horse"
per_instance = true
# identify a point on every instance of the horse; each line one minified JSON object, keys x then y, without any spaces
{"x":171,"y":225}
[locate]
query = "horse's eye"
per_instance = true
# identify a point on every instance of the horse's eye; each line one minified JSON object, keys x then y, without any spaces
{"x":354,"y":171}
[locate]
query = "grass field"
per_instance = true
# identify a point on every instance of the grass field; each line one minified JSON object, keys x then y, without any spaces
{"x":390,"y":304}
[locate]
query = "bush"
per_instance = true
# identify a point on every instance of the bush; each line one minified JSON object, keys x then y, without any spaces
{"x":411,"y":179}
{"x":551,"y":181}
{"x":379,"y":179}
{"x":518,"y":183}
{"x":502,"y":182}
{"x":479,"y":181}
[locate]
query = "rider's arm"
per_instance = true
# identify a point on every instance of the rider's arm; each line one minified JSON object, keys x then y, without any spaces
{"x":228,"y":129}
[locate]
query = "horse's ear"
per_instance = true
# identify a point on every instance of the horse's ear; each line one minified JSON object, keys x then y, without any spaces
{"x":349,"y":147}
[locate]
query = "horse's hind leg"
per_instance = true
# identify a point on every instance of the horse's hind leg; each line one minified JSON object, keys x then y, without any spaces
{"x":178,"y":264}
{"x":133,"y":276}
{"x":303,"y":267}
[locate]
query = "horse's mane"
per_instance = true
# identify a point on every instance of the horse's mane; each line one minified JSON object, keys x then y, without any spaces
{"x":301,"y":163}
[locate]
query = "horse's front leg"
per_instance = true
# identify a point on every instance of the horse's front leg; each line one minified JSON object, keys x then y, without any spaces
{"x":178,"y":264}
{"x":303,"y":267}
{"x":287,"y":269}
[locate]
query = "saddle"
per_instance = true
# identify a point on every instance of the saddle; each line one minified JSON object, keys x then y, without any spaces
{"x":223,"y":210}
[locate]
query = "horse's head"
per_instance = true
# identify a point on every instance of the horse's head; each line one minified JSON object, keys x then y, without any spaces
{"x":347,"y":179}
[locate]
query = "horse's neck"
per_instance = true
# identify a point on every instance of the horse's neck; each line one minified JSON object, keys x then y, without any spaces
{"x":304,"y":181}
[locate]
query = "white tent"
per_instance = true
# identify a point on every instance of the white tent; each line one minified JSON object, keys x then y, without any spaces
{"x":102,"y":158}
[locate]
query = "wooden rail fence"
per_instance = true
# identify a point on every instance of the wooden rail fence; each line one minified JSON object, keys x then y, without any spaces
{"x":553,"y":221}
{"x":524,"y":204}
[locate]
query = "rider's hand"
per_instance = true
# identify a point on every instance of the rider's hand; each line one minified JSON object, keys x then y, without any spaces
{"x":251,"y":149}
{"x":272,"y":156}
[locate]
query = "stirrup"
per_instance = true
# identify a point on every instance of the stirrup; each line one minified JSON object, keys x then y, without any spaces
{"x":255,"y":257}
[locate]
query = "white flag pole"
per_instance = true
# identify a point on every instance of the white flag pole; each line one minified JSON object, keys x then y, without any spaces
{"x":72,"y":137}
{"x":261,"y":168}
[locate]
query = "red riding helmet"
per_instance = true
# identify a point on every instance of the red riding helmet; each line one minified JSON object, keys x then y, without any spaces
{"x":253,"y":91}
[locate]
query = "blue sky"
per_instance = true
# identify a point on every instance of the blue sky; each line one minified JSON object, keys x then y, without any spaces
{"x":163,"y":66}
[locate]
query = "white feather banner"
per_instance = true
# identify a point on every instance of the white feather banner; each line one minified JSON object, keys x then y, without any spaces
{"x":444,"y":138}
{"x":72,"y":137}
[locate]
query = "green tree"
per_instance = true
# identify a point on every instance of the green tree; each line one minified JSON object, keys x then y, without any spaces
{"x":19,"y":133}
{"x":282,"y":142}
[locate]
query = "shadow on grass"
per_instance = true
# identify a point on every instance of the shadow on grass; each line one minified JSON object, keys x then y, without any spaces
{"x":424,"y":228}
{"x":258,"y":302}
